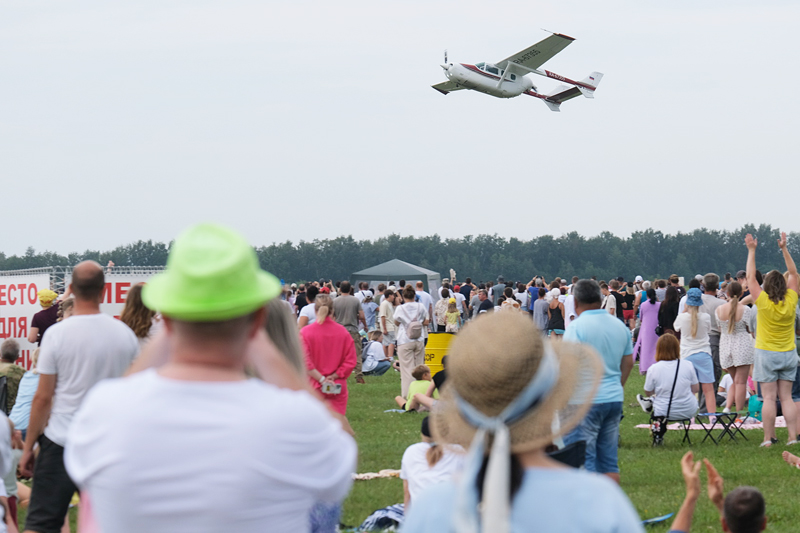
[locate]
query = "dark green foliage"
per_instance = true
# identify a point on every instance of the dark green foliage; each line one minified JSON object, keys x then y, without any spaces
{"x":648,"y":253}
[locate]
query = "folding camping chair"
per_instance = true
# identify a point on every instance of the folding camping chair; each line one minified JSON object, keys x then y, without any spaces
{"x":685,"y":426}
{"x":727,"y":421}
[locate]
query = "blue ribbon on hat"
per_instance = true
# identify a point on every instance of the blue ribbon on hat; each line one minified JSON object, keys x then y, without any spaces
{"x":496,"y":497}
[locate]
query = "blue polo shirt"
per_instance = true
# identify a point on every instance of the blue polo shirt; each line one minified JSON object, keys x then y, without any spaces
{"x":612,"y":340}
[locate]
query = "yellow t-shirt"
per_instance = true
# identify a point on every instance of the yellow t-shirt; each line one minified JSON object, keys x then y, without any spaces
{"x":775,"y":328}
{"x":419,"y":386}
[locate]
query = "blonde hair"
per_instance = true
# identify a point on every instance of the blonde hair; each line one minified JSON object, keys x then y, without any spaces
{"x":734,"y":293}
{"x":420,"y":371}
{"x":434,"y":454}
{"x":693,"y":311}
{"x":375,"y":335}
{"x":451,"y":308}
{"x":323,"y":305}
{"x":281,"y":328}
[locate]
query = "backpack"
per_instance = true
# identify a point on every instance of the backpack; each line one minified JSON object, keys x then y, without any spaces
{"x":4,"y":394}
{"x":414,"y":329}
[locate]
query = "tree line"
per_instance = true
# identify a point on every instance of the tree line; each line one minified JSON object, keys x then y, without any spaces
{"x":649,"y":253}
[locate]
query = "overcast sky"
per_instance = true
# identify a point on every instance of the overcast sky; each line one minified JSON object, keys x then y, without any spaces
{"x":303,"y":120}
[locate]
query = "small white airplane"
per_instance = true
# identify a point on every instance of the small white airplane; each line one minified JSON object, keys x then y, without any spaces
{"x":507,"y":78}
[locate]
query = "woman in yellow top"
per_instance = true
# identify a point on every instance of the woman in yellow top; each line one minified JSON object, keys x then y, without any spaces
{"x":775,"y":362}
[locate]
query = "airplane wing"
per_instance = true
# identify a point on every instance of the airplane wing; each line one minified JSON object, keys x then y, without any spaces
{"x":447,"y":87}
{"x":538,"y":54}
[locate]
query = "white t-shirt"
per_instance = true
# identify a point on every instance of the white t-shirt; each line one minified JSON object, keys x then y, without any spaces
{"x":681,"y":304}
{"x":659,"y":380}
{"x":159,"y":454}
{"x":81,"y":351}
{"x":405,"y":314}
{"x":361,"y":295}
{"x":308,"y":311}
{"x":610,"y":303}
{"x":387,"y":310}
{"x":522,"y":298}
{"x":414,"y":467}
{"x":569,"y":310}
{"x":725,"y":383}
{"x":689,"y":344}
{"x":373,"y":352}
{"x":426,"y":300}
{"x":459,"y":301}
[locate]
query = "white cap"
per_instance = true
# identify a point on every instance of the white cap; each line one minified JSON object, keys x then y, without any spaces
{"x":638,"y":279}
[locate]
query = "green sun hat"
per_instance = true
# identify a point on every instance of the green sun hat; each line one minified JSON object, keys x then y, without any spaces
{"x":212,"y":274}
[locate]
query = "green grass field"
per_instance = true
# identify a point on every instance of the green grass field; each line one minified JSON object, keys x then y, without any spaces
{"x":650,"y":476}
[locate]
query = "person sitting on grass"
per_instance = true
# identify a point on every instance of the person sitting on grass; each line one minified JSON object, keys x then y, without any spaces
{"x":434,"y":389}
{"x":741,"y":511}
{"x":376,"y":363}
{"x":422,"y":376}
{"x":427,"y":463}
{"x":660,"y":379}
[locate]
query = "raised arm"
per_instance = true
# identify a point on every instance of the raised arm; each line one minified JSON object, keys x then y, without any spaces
{"x":691,"y":475}
{"x":790,"y":266}
{"x":752,"y":284}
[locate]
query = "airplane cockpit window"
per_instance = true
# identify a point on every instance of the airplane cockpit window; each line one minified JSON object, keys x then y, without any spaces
{"x":481,"y":65}
{"x":493,"y":70}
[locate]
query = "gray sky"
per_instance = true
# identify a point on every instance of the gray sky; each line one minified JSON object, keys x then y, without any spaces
{"x":301,"y":120}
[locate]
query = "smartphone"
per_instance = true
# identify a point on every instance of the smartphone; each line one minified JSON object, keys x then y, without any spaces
{"x":331,"y":388}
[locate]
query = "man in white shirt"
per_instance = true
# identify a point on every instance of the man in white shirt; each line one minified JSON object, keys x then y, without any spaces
{"x":425,"y":299}
{"x":569,"y":309}
{"x":363,"y":291}
{"x":76,"y":354}
{"x":194,"y":444}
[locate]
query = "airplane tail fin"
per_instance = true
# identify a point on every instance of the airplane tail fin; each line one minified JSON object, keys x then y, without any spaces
{"x":592,"y":80}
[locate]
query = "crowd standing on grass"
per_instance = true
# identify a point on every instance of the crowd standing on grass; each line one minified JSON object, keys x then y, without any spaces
{"x":138,"y":415}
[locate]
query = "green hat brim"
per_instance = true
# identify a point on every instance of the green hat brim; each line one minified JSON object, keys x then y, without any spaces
{"x":161,"y":293}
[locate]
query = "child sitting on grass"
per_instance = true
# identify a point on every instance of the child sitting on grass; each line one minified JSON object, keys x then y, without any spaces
{"x":422,"y":377}
{"x":375,"y":361}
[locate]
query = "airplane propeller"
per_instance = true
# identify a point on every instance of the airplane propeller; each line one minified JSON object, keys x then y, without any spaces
{"x":446,"y":65}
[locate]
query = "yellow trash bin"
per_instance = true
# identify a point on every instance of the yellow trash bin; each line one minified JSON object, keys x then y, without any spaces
{"x":438,"y":346}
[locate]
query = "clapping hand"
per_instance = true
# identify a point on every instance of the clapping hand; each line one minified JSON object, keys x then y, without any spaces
{"x":715,"y":483}
{"x":691,"y":474}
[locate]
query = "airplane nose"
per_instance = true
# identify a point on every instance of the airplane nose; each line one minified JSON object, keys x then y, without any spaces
{"x":446,"y":67}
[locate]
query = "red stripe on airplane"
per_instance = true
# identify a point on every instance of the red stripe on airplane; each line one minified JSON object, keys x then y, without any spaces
{"x":567,"y":80}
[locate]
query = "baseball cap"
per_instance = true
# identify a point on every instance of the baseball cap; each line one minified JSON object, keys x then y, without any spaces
{"x":639,"y":278}
{"x":212,"y":274}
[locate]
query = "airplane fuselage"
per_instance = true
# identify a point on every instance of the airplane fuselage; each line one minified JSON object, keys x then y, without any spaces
{"x":485,"y":78}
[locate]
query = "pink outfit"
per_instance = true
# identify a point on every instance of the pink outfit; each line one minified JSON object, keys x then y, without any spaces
{"x":329,"y":348}
{"x":646,"y":342}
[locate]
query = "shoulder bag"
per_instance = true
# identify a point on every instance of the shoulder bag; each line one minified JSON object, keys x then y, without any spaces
{"x":658,"y":424}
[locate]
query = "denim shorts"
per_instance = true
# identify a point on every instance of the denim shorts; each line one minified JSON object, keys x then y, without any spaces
{"x":769,"y":367}
{"x":703,"y":366}
{"x":600,"y":431}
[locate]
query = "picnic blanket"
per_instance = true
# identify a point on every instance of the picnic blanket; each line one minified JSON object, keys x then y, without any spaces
{"x":780,"y":422}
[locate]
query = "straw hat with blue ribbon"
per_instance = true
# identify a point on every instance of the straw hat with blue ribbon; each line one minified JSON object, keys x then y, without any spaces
{"x":509,"y":390}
